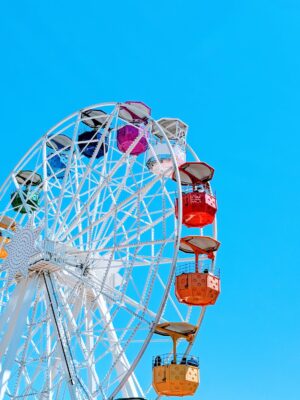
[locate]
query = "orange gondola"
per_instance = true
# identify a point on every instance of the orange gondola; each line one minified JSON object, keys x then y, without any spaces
{"x":196,"y":286}
{"x":7,"y":224}
{"x":3,"y":252}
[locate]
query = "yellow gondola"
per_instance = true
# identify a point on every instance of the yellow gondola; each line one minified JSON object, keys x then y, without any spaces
{"x":176,"y":375}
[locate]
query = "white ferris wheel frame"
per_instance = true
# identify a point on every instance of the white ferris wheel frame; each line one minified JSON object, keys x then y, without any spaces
{"x":128,"y":385}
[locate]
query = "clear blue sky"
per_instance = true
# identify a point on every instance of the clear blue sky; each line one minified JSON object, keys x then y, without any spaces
{"x":231,"y":70}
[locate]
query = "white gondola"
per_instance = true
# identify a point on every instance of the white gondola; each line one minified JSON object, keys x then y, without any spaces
{"x":159,"y":159}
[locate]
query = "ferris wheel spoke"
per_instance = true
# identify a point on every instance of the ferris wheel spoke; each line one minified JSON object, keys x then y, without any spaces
{"x":170,"y":298}
{"x":121,"y":362}
{"x":93,"y":380}
{"x":131,"y":229}
{"x":122,"y":184}
{"x":114,"y":198}
{"x":114,"y":295}
{"x":140,"y":308}
{"x":104,"y":229}
{"x":140,"y":192}
{"x":63,"y":341}
{"x":139,"y":178}
{"x":100,"y":202}
{"x":133,"y":245}
{"x":156,"y":222}
{"x":85,"y":350}
{"x":51,"y":205}
{"x":77,"y":204}
{"x":121,"y":223}
{"x":143,"y":200}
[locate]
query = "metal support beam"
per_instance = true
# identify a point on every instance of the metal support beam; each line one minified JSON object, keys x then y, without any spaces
{"x":15,"y":328}
{"x":61,"y":335}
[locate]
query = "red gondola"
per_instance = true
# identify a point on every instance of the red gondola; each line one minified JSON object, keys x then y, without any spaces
{"x":199,"y":207}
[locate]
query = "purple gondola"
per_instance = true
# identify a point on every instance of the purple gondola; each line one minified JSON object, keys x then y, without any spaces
{"x":127,"y":135}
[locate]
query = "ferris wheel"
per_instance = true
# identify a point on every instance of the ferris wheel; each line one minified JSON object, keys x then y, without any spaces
{"x":107,"y":251}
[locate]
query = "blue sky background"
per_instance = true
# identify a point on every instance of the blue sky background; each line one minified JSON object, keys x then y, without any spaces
{"x":231,"y":70}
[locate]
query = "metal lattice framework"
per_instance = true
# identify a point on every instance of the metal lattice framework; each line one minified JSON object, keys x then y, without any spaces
{"x":77,"y":319}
